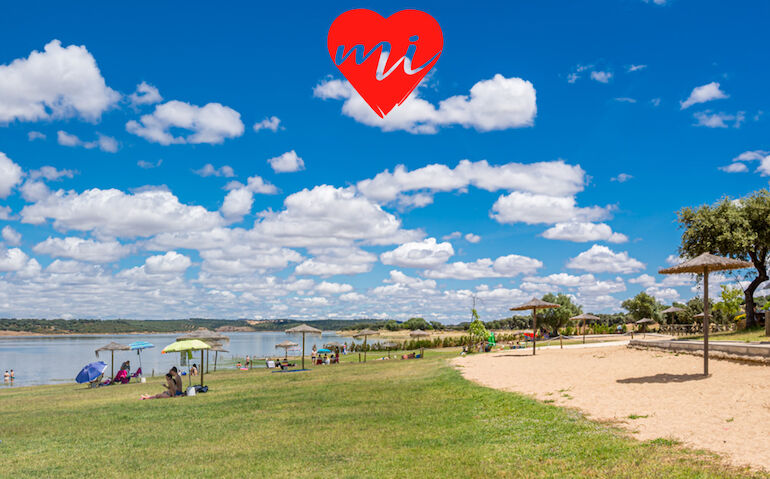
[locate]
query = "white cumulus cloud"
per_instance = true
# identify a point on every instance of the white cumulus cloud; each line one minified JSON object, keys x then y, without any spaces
{"x":702,"y":94}
{"x":583,"y":232}
{"x":496,"y":104}
{"x":601,"y":259}
{"x":115,"y":213}
{"x":419,"y":254}
{"x":103,"y":142}
{"x":272,"y":123}
{"x":145,"y":94}
{"x":287,"y":163}
{"x":82,"y":249}
{"x":212,"y":123}
{"x":59,"y":82}
{"x":529,"y":208}
{"x":171,"y":262}
{"x":11,"y":236}
{"x":10,"y":175}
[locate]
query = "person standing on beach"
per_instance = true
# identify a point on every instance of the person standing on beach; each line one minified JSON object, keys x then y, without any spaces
{"x":313,"y":355}
{"x":6,"y":376}
{"x":13,"y":375}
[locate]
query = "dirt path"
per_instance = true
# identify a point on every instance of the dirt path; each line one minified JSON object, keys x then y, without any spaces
{"x":651,"y":394}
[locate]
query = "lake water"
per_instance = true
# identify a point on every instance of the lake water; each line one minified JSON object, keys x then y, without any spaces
{"x":58,"y":359}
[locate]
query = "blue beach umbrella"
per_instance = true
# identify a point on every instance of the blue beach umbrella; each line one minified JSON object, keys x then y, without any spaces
{"x":90,"y":372}
{"x":138,"y":346}
{"x":324,"y":351}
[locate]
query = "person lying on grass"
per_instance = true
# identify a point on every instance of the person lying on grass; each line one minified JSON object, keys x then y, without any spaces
{"x":168,"y":393}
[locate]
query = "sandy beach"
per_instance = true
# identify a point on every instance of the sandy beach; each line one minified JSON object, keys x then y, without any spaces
{"x":650,"y":394}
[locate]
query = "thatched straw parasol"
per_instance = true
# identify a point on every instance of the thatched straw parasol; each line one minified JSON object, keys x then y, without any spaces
{"x":365,"y":333}
{"x":217,"y":348}
{"x":672,"y":310}
{"x":112,"y":347}
{"x":207,"y":336}
{"x":704,"y":264}
{"x":643,"y":323}
{"x":419,"y":333}
{"x":303,"y":329}
{"x":286,"y":345}
{"x":585,"y":317}
{"x":534,"y":304}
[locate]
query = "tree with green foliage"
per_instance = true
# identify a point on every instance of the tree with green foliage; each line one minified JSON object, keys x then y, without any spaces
{"x":477,"y":331}
{"x":732,"y":298}
{"x":643,"y":306}
{"x":735,"y":228}
{"x":555,"y":318}
{"x":392,"y":325}
{"x":437,"y":325}
{"x":416,"y":323}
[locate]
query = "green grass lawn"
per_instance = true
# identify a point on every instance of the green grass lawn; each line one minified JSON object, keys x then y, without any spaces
{"x":749,"y":336}
{"x":399,"y":419}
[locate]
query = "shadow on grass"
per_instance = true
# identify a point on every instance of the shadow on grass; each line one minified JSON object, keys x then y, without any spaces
{"x":663,"y":378}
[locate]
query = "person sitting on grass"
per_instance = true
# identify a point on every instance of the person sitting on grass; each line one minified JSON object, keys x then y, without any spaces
{"x":168,"y":393}
{"x":177,"y":381}
{"x":194,"y":370}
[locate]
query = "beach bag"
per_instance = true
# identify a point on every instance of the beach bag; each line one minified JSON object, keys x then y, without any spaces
{"x":191,"y":391}
{"x":201,"y":389}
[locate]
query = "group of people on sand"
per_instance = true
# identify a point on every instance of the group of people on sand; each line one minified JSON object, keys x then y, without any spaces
{"x":8,"y":377}
{"x":174,"y":386}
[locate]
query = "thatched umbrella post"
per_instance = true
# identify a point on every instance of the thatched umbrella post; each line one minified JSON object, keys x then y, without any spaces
{"x":534,"y":304}
{"x":704,"y":264}
{"x":217,"y":348}
{"x":673,"y":310}
{"x":303,"y":329}
{"x":112,"y":347}
{"x":419,"y":333}
{"x":643,"y":323}
{"x":286,"y":345}
{"x":585,"y":317}
{"x":365,"y":333}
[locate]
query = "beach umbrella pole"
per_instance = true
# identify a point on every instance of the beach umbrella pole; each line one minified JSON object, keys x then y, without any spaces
{"x":303,"y":350}
{"x":706,"y":322}
{"x":534,"y":330}
{"x":584,"y":331}
{"x":112,"y":378}
{"x":201,"y":368}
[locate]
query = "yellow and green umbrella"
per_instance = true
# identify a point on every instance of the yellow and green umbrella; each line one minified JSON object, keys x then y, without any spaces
{"x":188,"y":345}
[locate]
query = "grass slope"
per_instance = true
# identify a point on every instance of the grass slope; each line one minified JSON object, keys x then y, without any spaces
{"x":395,"y":419}
{"x":749,"y":336}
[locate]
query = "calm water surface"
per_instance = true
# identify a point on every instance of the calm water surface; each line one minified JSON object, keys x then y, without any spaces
{"x":58,"y":359}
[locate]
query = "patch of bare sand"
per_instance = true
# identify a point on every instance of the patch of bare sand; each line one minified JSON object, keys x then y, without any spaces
{"x":651,"y":394}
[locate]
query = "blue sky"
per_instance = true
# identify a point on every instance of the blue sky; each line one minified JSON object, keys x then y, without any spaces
{"x":583,"y":126}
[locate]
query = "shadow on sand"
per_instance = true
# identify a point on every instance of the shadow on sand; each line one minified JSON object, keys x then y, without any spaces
{"x":663,"y":378}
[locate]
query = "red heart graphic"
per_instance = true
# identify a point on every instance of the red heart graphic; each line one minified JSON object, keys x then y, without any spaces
{"x":385,"y":58}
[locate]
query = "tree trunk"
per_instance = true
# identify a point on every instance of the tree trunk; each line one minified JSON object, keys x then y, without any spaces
{"x":759,"y":264}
